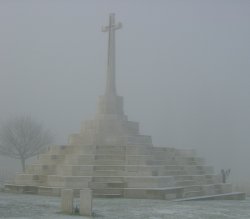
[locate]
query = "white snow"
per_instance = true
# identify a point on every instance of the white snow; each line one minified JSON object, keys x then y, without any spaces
{"x":37,"y":207}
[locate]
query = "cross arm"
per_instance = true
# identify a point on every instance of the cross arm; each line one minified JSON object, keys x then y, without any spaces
{"x":112,"y":27}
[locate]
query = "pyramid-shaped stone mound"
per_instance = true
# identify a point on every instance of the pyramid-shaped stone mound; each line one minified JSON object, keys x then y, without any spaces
{"x":111,"y":157}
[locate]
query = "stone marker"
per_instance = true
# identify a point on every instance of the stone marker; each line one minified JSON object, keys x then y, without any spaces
{"x":67,"y":201}
{"x":86,"y":202}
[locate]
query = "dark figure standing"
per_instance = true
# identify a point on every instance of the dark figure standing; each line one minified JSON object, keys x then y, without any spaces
{"x":225,"y":174}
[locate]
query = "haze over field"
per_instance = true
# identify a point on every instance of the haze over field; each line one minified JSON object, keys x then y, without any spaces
{"x":182,"y":66}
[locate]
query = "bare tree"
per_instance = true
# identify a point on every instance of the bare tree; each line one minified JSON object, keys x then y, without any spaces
{"x":22,"y":138}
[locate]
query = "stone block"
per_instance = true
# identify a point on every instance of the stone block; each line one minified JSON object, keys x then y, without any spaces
{"x":86,"y":202}
{"x":56,"y":181}
{"x":77,"y":181}
{"x":49,"y":191}
{"x":67,"y":201}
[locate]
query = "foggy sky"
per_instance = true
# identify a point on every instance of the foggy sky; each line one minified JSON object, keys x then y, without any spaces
{"x":182,"y":66}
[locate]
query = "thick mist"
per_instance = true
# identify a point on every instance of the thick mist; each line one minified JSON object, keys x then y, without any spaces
{"x":182,"y":66}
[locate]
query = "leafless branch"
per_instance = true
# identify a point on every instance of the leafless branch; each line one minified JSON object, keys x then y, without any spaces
{"x":22,"y":137}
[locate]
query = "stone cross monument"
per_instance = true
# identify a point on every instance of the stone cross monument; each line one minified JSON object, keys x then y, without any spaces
{"x":110,"y":83}
{"x":112,"y":158}
{"x":110,"y":103}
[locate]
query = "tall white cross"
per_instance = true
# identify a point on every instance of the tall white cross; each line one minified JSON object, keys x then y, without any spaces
{"x":110,"y":83}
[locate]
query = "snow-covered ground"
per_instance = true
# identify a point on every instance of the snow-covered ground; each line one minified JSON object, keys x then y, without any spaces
{"x":38,"y":207}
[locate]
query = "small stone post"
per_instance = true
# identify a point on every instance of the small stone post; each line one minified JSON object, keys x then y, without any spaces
{"x":67,"y":201}
{"x":86,"y":202}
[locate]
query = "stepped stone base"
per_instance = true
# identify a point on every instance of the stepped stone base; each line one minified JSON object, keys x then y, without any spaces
{"x":122,"y":171}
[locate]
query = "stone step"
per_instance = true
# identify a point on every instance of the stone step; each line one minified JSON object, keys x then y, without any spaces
{"x":108,"y":191}
{"x":157,"y":163}
{"x":110,"y":147}
{"x":55,"y":181}
{"x":193,"y":194}
{"x":135,"y":149}
{"x":154,"y":173}
{"x":209,"y":189}
{"x":172,"y":173}
{"x":83,"y":149}
{"x":109,"y":157}
{"x":183,"y":177}
{"x":69,"y":181}
{"x":41,"y":169}
{"x":107,"y":179}
{"x":75,"y":170}
{"x":192,"y":188}
{"x":136,"y":167}
{"x":227,"y":196}
{"x":97,"y":195}
{"x":168,"y":193}
{"x":127,"y":170}
{"x":106,"y":185}
{"x":89,"y":159}
{"x":50,"y":159}
{"x":185,"y":160}
{"x":200,"y":179}
{"x":109,"y":167}
{"x":30,"y":179}
{"x":111,"y":152}
{"x":108,"y":173}
{"x":60,"y":149}
{"x":149,"y":181}
{"x":109,"y":162}
{"x":66,"y":172}
{"x":185,"y":183}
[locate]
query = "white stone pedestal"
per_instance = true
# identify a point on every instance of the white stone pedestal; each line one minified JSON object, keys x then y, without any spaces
{"x":86,"y":202}
{"x":67,"y":201}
